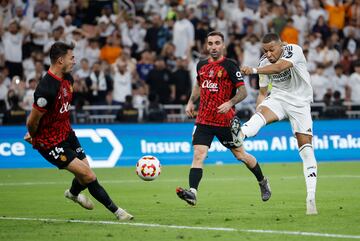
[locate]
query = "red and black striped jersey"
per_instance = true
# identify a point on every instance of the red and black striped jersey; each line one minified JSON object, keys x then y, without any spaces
{"x":218,"y":81}
{"x":53,"y":96}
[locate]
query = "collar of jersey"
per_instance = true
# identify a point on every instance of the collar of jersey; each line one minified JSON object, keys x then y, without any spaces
{"x":54,"y":76}
{"x":217,"y":61}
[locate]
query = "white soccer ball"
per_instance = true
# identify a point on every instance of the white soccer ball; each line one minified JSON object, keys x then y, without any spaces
{"x":148,"y":168}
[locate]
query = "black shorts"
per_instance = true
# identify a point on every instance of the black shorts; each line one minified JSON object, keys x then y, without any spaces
{"x":65,"y":152}
{"x":204,"y":135}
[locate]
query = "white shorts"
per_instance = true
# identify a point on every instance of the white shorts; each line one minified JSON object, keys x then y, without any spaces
{"x":299,"y":116}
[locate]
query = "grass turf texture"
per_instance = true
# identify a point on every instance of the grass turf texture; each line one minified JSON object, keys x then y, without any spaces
{"x":229,"y":197}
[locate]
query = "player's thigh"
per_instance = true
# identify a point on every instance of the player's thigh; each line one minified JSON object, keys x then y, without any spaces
{"x":225,"y":136}
{"x":271,"y":109}
{"x":300,"y":119}
{"x":203,"y":135}
{"x":76,"y":146}
{"x":81,"y":170}
{"x":60,"y":155}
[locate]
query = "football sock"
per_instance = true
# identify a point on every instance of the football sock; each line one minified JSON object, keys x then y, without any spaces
{"x":99,"y":193}
{"x":252,"y":126}
{"x":310,"y":169}
{"x":256,"y":170}
{"x":195,"y":176}
{"x":76,"y":187}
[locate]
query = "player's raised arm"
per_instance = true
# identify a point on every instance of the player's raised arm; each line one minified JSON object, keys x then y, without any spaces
{"x":276,"y":68}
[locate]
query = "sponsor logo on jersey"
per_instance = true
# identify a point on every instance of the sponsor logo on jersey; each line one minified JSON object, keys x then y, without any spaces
{"x":282,"y":77}
{"x":64,"y":92}
{"x":211,"y":86}
{"x":65,"y":107}
{"x":211,"y":73}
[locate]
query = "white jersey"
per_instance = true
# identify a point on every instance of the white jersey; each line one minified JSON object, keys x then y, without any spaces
{"x":292,"y":85}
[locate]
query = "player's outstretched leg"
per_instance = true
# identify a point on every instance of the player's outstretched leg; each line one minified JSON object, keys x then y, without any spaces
{"x":252,"y":126}
{"x":82,"y":171}
{"x":310,"y":173}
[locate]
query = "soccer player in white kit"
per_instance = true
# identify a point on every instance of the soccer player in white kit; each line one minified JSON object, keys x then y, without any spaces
{"x":284,"y":67}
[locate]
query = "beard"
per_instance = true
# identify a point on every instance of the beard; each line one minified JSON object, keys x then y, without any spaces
{"x":67,"y":69}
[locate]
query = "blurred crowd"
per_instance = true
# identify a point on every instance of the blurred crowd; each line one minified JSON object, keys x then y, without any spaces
{"x":142,"y":54}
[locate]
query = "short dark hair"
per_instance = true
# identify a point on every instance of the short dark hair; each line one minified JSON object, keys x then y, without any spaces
{"x":216,"y":33}
{"x":270,"y":37}
{"x":59,"y":49}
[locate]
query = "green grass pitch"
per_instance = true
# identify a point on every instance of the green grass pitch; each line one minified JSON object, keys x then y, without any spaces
{"x":228,"y":198}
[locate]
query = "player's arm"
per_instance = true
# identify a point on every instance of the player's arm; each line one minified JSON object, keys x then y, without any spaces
{"x":33,"y":121}
{"x":263,"y":92}
{"x":276,"y":68}
{"x":236,"y":78}
{"x":240,"y":95}
{"x":190,"y":107}
{"x":44,"y":95}
{"x":32,"y":124}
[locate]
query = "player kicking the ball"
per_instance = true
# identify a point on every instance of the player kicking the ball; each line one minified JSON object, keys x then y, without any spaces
{"x":284,"y":66}
{"x":218,"y":78}
{"x":51,"y":134}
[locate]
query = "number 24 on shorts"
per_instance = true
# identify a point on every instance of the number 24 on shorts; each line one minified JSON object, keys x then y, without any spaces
{"x":56,"y":152}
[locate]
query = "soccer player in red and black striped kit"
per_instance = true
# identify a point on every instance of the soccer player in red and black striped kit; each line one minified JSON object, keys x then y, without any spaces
{"x":50,"y":132}
{"x":219,"y":86}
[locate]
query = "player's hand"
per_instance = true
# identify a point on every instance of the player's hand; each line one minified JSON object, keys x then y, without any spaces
{"x":246,"y":70}
{"x":28,"y":138}
{"x":225,"y":107}
{"x":190,"y":109}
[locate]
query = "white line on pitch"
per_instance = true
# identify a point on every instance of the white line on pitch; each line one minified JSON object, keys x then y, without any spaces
{"x":294,"y":233}
{"x":167,"y":180}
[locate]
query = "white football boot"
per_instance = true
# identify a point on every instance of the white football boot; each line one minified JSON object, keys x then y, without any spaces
{"x":81,"y":199}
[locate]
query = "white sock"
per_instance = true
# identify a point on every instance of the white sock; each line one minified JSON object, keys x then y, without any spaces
{"x":252,"y":126}
{"x":193,"y":190}
{"x":310,"y":169}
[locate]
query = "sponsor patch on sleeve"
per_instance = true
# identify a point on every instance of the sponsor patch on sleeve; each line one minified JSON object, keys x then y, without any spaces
{"x":41,"y":102}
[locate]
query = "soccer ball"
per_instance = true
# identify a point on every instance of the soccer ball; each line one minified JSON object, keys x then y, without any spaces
{"x":148,"y":168}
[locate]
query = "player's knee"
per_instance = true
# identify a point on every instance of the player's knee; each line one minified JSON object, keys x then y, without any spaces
{"x":88,"y":177}
{"x":197,"y":161}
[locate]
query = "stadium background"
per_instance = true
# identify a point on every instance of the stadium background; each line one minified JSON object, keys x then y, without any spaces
{"x":133,"y":76}
{"x":136,"y":64}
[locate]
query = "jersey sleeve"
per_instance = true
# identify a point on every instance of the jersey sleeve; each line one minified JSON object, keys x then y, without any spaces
{"x":200,"y":64}
{"x":44,"y":95}
{"x":293,"y":53}
{"x":234,"y":73}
